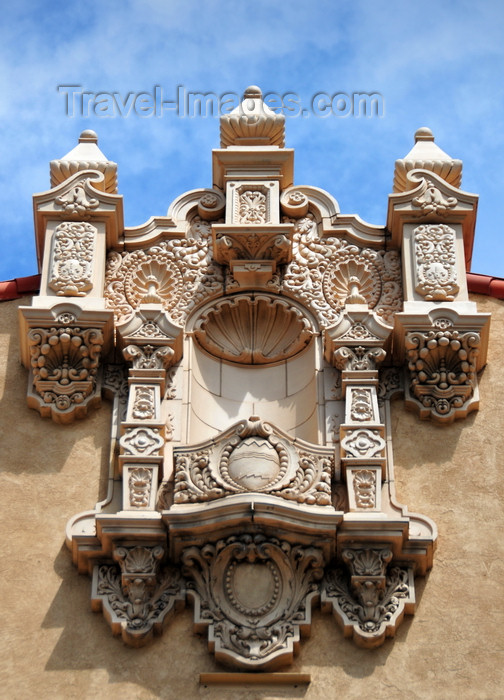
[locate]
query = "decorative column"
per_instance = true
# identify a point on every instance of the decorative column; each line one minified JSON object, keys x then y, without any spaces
{"x":152,"y":343}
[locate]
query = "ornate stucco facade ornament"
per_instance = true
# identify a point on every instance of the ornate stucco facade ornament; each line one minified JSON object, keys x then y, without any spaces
{"x":251,"y":341}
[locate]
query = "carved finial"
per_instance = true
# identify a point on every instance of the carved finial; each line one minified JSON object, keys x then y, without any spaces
{"x":88,"y":136}
{"x":85,"y":156}
{"x":423,"y":134}
{"x":426,"y":155}
{"x":253,"y":91}
{"x":252,"y":123}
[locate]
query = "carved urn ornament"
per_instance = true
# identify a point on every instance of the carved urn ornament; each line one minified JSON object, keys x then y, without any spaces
{"x":251,"y":341}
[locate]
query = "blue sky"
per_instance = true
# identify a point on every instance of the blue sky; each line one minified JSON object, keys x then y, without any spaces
{"x":435,"y":64}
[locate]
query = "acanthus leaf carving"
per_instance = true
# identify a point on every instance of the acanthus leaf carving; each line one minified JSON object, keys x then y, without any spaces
{"x":137,"y":599}
{"x":73,"y":246}
{"x":432,"y":201}
{"x":252,"y":207}
{"x":254,"y":594}
{"x":371,"y":603}
{"x":76,"y":203}
{"x":149,"y":356}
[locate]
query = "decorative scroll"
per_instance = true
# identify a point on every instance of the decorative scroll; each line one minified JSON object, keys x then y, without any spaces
{"x":358,"y":358}
{"x":432,"y":201}
{"x":149,"y":356}
{"x":254,"y":594}
{"x":72,"y":259}
{"x":177,"y":273}
{"x":76,"y":203}
{"x":253,"y":459}
{"x":327,"y":273}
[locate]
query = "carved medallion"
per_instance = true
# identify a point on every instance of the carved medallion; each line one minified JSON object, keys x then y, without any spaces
{"x":255,"y":595}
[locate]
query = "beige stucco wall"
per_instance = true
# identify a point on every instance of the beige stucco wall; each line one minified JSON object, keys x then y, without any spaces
{"x":53,"y":646}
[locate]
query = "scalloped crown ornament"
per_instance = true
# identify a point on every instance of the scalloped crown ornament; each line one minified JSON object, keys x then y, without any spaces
{"x":263,"y":335}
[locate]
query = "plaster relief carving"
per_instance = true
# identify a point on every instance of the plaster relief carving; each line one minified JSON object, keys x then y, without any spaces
{"x":436,"y":270}
{"x":211,"y":205}
{"x":137,"y":600}
{"x":326,"y":273}
{"x":253,"y":330}
{"x":140,"y":486}
{"x":253,"y":458}
{"x":144,"y":403}
{"x":432,"y":201}
{"x":269,"y":245}
{"x":149,"y":356}
{"x":255,"y":595}
{"x":64,"y":365}
{"x":76,"y":203}
{"x":391,"y":384}
{"x":442,"y":367}
{"x":362,"y":443}
{"x":370,"y":604}
{"x":361,"y":405}
{"x":364,"y":485}
{"x":186,"y":277}
{"x":294,"y":203}
{"x":252,"y":206}
{"x":73,"y":249}
{"x":145,"y":442}
{"x":358,"y":358}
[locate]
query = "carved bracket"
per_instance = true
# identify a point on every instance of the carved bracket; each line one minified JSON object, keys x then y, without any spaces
{"x":370,"y":603}
{"x":255,"y":595}
{"x":442,"y":366}
{"x":137,"y":599}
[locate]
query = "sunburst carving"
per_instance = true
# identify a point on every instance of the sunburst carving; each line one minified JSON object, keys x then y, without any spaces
{"x":352,"y":282}
{"x":253,"y":330}
{"x":153,"y":283}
